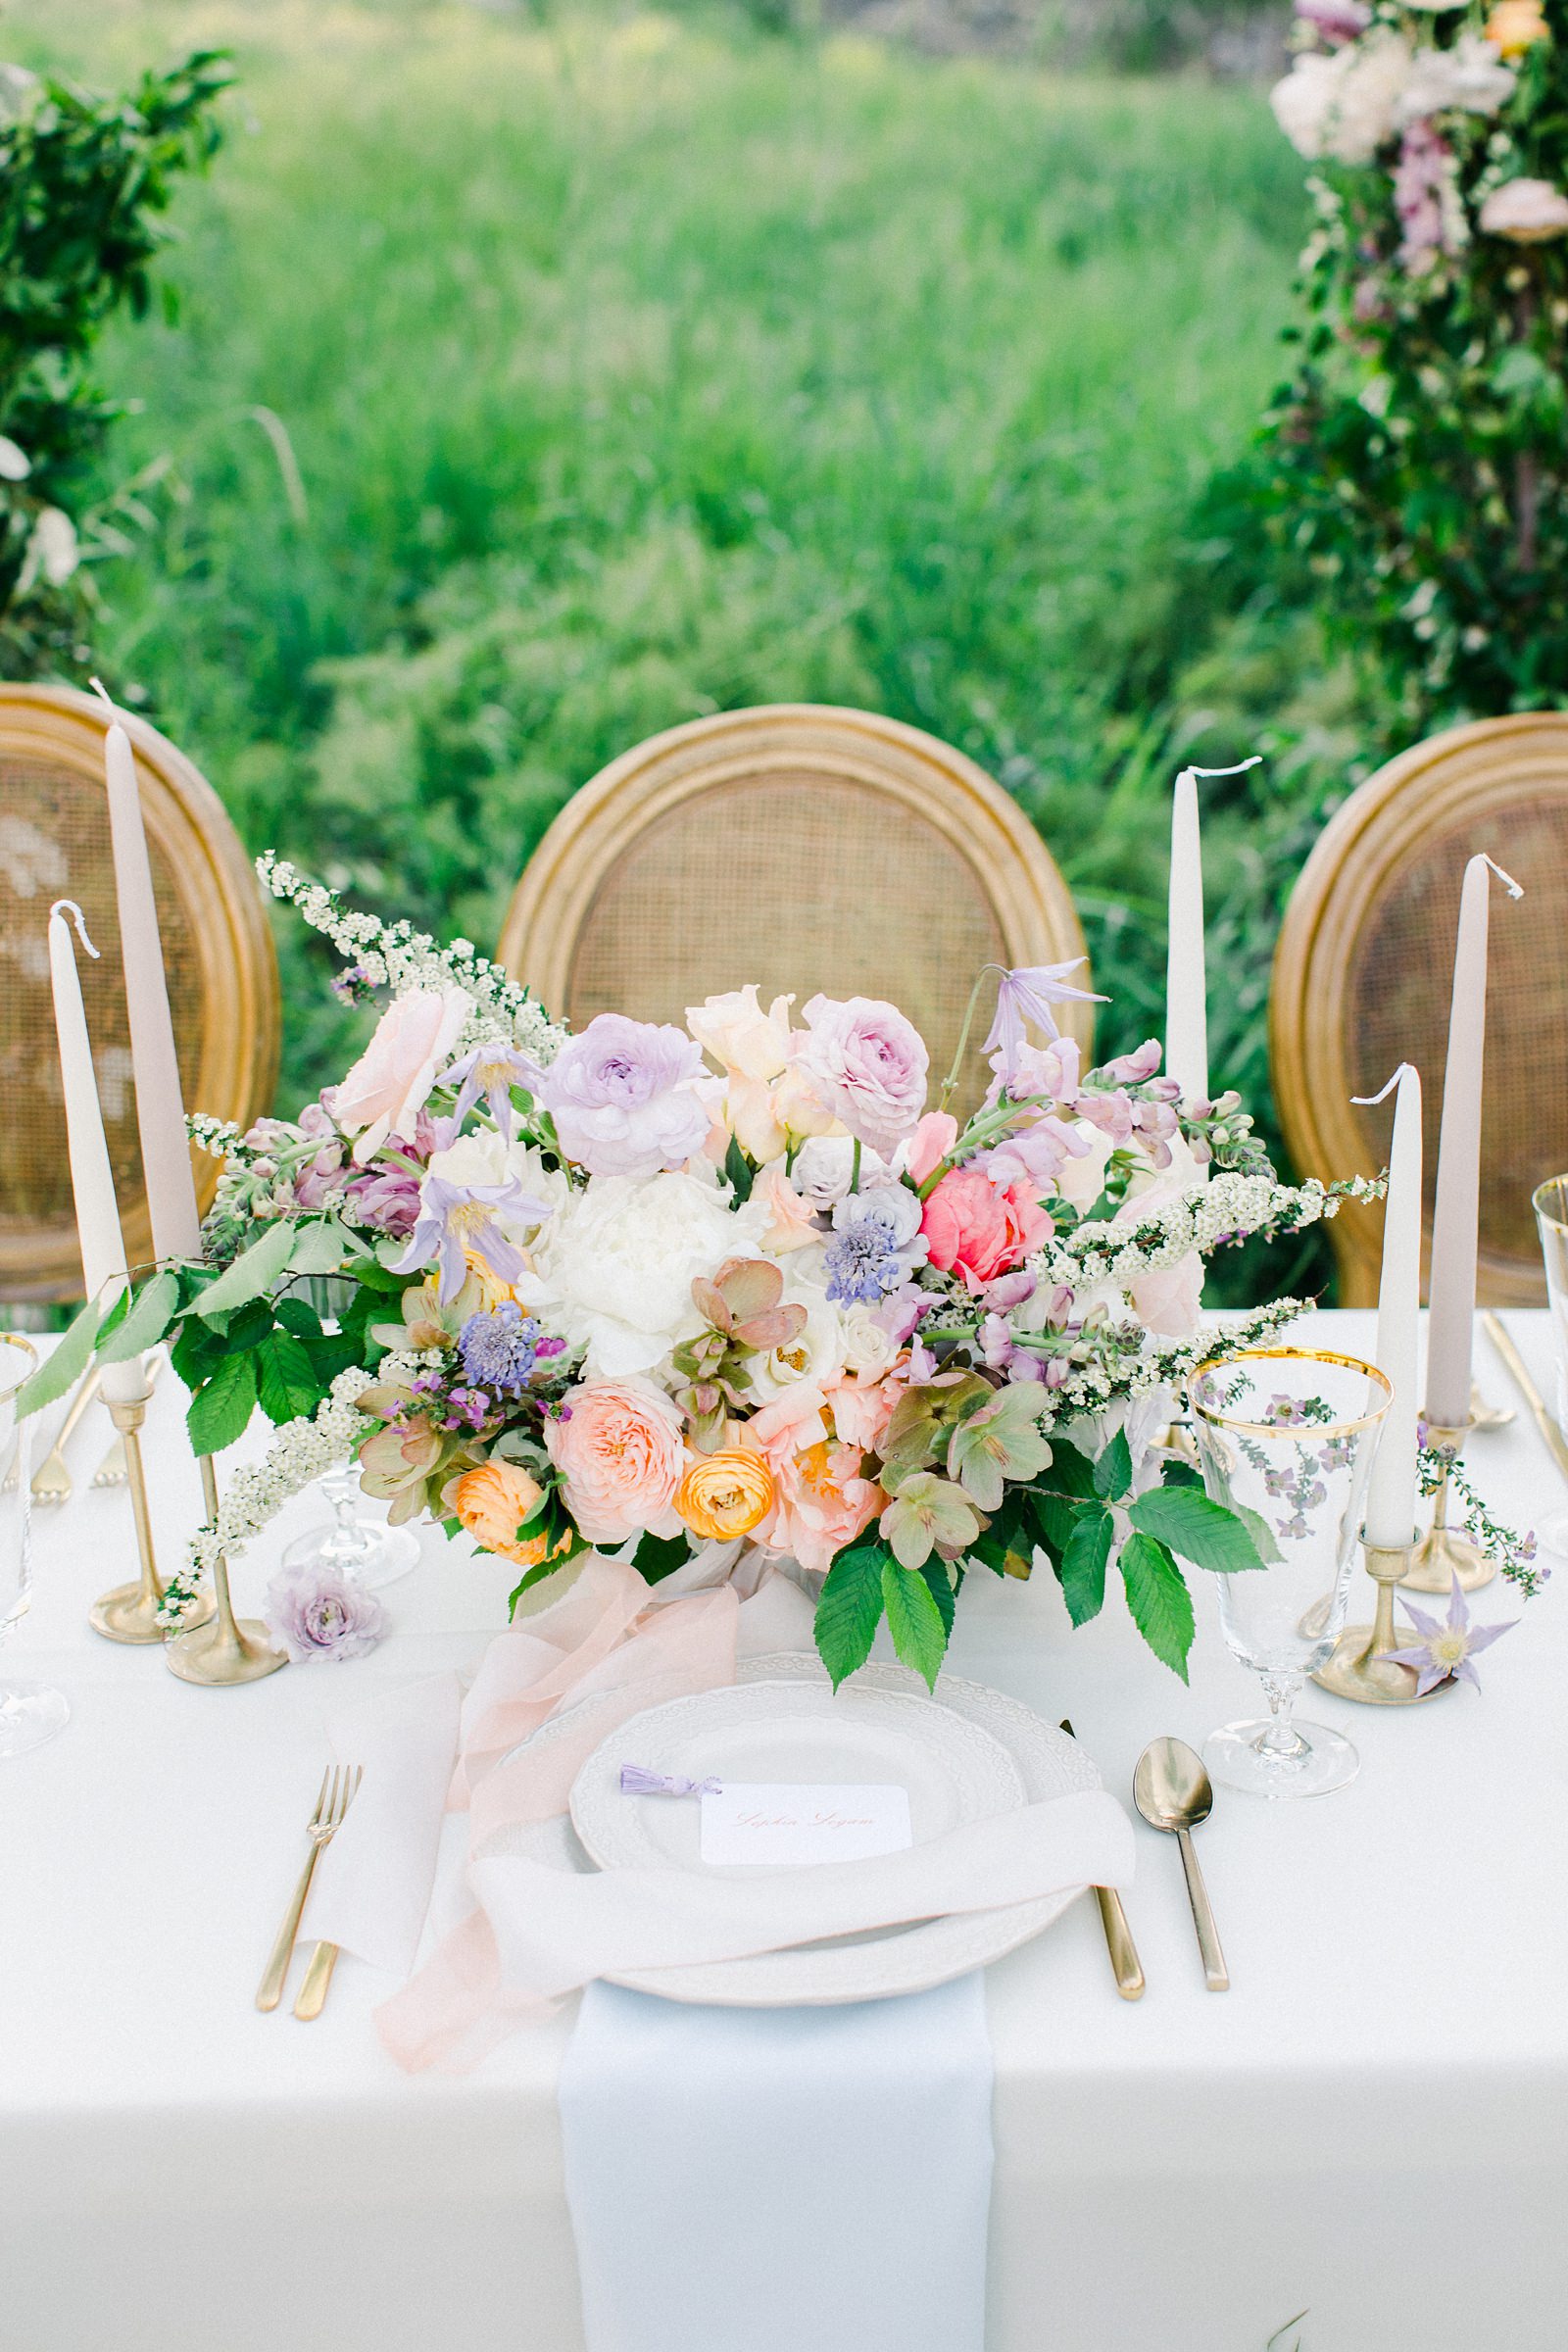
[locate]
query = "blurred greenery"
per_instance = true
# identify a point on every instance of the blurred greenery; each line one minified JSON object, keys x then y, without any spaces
{"x":543,"y":379}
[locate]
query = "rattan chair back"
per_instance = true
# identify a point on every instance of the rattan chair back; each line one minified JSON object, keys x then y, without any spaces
{"x":222,"y":974}
{"x":1363,"y":974}
{"x":803,"y":848}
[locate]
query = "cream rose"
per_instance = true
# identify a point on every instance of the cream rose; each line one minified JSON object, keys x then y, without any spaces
{"x":740,"y":1036}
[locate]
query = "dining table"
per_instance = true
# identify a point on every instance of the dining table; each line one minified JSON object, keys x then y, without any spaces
{"x":1361,"y":2146}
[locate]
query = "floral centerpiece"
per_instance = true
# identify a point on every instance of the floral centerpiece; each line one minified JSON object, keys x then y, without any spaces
{"x":740,"y":1289}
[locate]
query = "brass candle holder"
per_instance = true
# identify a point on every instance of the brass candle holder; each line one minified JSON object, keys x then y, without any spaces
{"x":1442,"y":1554}
{"x":129,"y":1613}
{"x":221,"y":1648}
{"x":1361,"y":1667}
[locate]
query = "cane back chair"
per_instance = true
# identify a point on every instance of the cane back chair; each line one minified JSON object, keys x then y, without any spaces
{"x":801,"y":847}
{"x":222,"y":974}
{"x":1363,"y":974}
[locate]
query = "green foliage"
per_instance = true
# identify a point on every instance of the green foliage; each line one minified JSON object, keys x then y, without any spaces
{"x":848,"y":1608}
{"x":1419,"y":446}
{"x":83,"y":184}
{"x":1160,"y":1603}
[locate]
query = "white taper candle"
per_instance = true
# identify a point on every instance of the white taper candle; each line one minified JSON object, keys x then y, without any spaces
{"x":1390,"y":1492}
{"x":1456,"y":1213}
{"x":92,"y":1182}
{"x":1185,"y":973}
{"x":159,"y":1104}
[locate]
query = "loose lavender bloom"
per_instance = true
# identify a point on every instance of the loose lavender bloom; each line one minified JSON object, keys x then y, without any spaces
{"x":876,"y":1245}
{"x":1028,"y":994}
{"x":499,"y":1350}
{"x":318,"y":1613}
{"x":1447,"y":1650}
{"x":491,"y":1070}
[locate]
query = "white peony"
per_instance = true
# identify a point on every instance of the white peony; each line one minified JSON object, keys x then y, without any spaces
{"x":614,"y":1269}
{"x":1344,"y":103}
{"x":1470,"y":76}
{"x":814,"y":1354}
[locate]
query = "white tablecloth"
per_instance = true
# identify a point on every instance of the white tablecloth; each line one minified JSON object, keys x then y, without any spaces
{"x":1372,"y":2124}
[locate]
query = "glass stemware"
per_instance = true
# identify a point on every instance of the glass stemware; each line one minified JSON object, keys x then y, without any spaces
{"x":367,"y":1550}
{"x":1550,"y":1204}
{"x":1285,"y":1439}
{"x":29,"y":1712}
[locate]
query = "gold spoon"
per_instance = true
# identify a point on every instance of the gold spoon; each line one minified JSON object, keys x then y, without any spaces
{"x":1172,"y":1791}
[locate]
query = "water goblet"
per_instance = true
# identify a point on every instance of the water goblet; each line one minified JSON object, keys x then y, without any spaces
{"x":1550,"y":1204}
{"x":1285,"y":1439}
{"x":29,"y":1712}
{"x":363,"y":1548}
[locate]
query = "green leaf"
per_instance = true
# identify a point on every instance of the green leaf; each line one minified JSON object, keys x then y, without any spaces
{"x":1071,"y":1472}
{"x":146,"y":1323}
{"x":1083,"y":1565}
{"x":1113,"y":1472}
{"x":322,"y":1245}
{"x":943,"y":1593}
{"x":62,"y":1367}
{"x":220,"y":1409}
{"x":1160,"y":1603}
{"x":255,"y":1270}
{"x":300,"y":1318}
{"x":1056,"y":1518}
{"x":285,"y":1378}
{"x":740,"y":1172}
{"x":849,"y":1609}
{"x":1202,"y":1531}
{"x":655,"y":1556}
{"x":919,"y":1635}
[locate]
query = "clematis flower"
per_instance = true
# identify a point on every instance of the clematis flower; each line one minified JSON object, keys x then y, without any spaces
{"x":1447,"y":1650}
{"x":1028,"y":994}
{"x":491,"y":1070}
{"x":457,"y":1219}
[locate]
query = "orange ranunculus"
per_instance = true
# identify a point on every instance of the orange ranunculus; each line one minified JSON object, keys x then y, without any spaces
{"x":1515,"y":26}
{"x":725,"y":1495}
{"x":492,"y":1502}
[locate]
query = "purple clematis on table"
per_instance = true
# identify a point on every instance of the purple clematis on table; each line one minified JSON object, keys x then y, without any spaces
{"x":1445,"y":1651}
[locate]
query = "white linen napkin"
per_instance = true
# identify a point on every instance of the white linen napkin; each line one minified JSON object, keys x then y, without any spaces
{"x":781,"y":2179}
{"x":373,"y":1898}
{"x":556,"y":1930}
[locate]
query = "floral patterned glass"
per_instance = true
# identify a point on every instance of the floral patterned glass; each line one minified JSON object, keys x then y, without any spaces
{"x":1550,"y":1201}
{"x":1286,"y":1438}
{"x":29,"y":1712}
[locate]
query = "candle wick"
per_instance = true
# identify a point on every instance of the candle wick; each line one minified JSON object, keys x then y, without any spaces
{"x":103,"y":693}
{"x":1515,"y":890}
{"x":1382,"y":1093}
{"x":1240,"y":769}
{"x":69,"y":906}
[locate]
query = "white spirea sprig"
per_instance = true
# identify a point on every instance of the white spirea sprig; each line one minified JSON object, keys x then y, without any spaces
{"x":301,"y":1452}
{"x":396,"y":956}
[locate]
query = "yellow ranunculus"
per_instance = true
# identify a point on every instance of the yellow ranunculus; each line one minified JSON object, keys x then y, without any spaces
{"x":1515,"y":26}
{"x":725,"y":1495}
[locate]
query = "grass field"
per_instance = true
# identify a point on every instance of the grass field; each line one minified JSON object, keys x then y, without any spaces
{"x":634,"y":368}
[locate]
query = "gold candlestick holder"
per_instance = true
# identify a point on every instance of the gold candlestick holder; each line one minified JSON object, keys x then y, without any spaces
{"x":129,"y":1613}
{"x":1442,"y":1554}
{"x":1361,"y":1667}
{"x":221,"y":1648}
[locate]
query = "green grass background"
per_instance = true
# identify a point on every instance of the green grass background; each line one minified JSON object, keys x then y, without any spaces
{"x":639,"y":365}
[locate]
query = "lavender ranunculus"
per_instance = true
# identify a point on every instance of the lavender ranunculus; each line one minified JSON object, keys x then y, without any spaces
{"x":876,"y":1245}
{"x":623,"y":1097}
{"x":318,"y":1613}
{"x":868,"y":1065}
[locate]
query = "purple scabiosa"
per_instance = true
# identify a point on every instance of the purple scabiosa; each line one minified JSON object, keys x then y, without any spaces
{"x":500,"y":1348}
{"x":876,"y":1245}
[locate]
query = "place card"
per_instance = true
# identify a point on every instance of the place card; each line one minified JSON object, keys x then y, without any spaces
{"x":804,"y":1821}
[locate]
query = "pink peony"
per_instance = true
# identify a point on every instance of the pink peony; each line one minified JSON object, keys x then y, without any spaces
{"x":868,"y":1065}
{"x":625,"y":1097}
{"x":390,"y":1083}
{"x":823,"y":1500}
{"x":980,"y":1229}
{"x":617,"y":1447}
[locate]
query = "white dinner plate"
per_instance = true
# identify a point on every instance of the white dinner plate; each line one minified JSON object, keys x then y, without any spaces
{"x":955,"y":1772}
{"x":884,"y":1962}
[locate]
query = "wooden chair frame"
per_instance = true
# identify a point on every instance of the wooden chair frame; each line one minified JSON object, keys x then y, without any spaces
{"x":241,"y":1033}
{"x":1459,"y":775}
{"x":555,"y":897}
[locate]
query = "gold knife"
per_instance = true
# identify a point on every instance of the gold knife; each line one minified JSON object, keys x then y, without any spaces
{"x":1556,"y":1443}
{"x":1126,"y":1967}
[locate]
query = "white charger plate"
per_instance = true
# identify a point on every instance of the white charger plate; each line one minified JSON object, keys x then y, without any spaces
{"x":884,"y":1962}
{"x":955,"y":1771}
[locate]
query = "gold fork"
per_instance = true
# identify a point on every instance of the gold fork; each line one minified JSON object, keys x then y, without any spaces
{"x":338,"y":1783}
{"x":51,"y":1481}
{"x":111,"y":1471}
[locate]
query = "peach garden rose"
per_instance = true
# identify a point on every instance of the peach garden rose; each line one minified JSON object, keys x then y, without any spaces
{"x":618,"y":1446}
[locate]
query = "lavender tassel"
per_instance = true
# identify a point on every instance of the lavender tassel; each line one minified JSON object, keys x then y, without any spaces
{"x":637,"y":1780}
